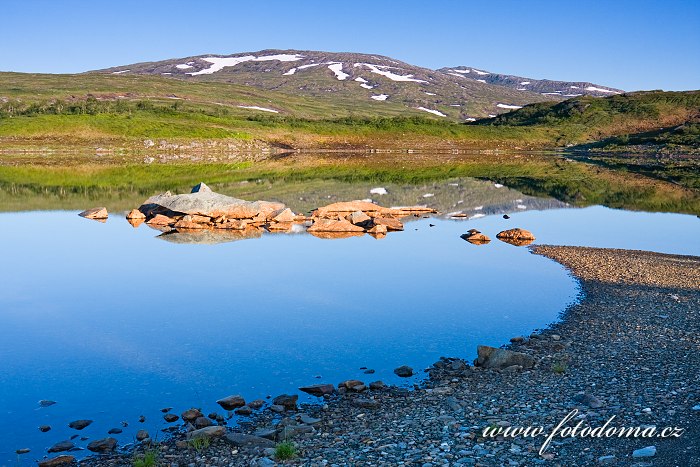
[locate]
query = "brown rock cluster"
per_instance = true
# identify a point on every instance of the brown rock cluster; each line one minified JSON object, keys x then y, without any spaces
{"x":205,"y":211}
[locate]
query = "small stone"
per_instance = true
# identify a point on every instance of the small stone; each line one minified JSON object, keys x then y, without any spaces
{"x":289,"y":402}
{"x":62,"y":446}
{"x":44,"y":428}
{"x":114,"y":431}
{"x":170,"y":417}
{"x":589,"y":400}
{"x":377,"y":385}
{"x":649,"y":451}
{"x":142,"y":419}
{"x":208,"y":432}
{"x":606,"y":460}
{"x":190,"y":415}
{"x":242,"y":440}
{"x":46,"y":403}
{"x":318,"y":390}
{"x":141,"y":435}
{"x":23,"y":451}
{"x":95,"y":213}
{"x":256,"y":404}
{"x":245,"y":411}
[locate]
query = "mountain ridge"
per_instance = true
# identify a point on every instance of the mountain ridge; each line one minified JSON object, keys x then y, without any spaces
{"x":359,"y":76}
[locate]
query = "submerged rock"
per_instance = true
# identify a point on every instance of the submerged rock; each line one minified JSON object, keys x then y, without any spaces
{"x":46,"y":403}
{"x":79,"y":424}
{"x":403,"y":371}
{"x":44,"y":428}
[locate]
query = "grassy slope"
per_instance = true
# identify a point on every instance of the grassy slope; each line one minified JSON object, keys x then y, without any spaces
{"x":630,"y":116}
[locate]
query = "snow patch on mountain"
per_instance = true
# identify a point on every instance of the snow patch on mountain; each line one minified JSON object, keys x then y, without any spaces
{"x":183,"y":66}
{"x":337,"y":68}
{"x":380,"y":97}
{"x":482,"y":73}
{"x":119,"y":72}
{"x":593,"y":88}
{"x":255,"y":107}
{"x":434,"y":112}
{"x":381,"y":70}
{"x":507,"y":106}
{"x":219,"y":63}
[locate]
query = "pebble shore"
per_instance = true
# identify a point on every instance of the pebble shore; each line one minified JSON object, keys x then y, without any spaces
{"x":629,"y":348}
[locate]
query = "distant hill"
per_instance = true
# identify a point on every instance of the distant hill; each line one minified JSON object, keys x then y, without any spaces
{"x":546,"y":87}
{"x":445,"y":93}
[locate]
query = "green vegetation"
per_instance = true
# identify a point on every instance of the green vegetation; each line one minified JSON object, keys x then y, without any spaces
{"x":631,"y":118}
{"x":199,"y":444}
{"x":285,"y":451}
{"x":559,"y":367}
{"x":148,"y":459}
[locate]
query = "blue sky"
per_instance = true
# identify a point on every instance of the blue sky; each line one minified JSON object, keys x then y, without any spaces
{"x":627,"y":44}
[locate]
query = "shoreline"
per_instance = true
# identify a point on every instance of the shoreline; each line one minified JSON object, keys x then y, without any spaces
{"x":638,"y":365}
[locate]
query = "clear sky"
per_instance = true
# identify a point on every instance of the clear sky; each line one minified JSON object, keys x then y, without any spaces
{"x":629,"y":44}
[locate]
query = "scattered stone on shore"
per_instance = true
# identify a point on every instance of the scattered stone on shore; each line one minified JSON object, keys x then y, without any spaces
{"x":141,"y":435}
{"x":649,"y":451}
{"x":288,"y":401}
{"x":207,"y":432}
{"x":245,"y":440}
{"x":318,"y":390}
{"x":61,"y":446}
{"x":500,"y":359}
{"x":231,"y":402}
{"x":95,"y":213}
{"x":403,"y":371}
{"x":102,"y":446}
{"x":589,"y":400}
{"x":44,"y":428}
{"x":256,"y":404}
{"x":46,"y":403}
{"x":57,"y":461}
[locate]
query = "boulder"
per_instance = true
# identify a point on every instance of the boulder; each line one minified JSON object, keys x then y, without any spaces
{"x":256,"y":404}
{"x":95,"y":213}
{"x":378,"y":230}
{"x":331,"y":225}
{"x":114,"y":431}
{"x":141,"y":435}
{"x":231,"y":402}
{"x":345,"y":208}
{"x":318,"y":390}
{"x":44,"y":428}
{"x":350,"y":384}
{"x":202,"y":422}
{"x":516,"y":234}
{"x":79,"y":424}
{"x":103,"y":445}
{"x":135,"y":214}
{"x":358,"y":218}
{"x":160,"y":219}
{"x":403,"y":371}
{"x":170,"y":417}
{"x":499,"y":359}
{"x":23,"y":451}
{"x":244,"y":440}
{"x":289,"y":402}
{"x":389,"y":222}
{"x":208,"y":203}
{"x":57,"y":461}
{"x":191,"y":415}
{"x":244,"y":411}
{"x":207,"y":432}
{"x":283,"y":215}
{"x":62,"y":446}
{"x":376,"y":385}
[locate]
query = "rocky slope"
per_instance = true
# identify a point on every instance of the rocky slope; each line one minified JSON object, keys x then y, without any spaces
{"x":366,"y":78}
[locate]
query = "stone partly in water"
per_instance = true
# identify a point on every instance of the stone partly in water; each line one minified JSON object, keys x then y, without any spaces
{"x":499,"y":359}
{"x":44,"y":428}
{"x":170,"y":417}
{"x":135,"y":214}
{"x":191,"y":415}
{"x":318,"y":390}
{"x":289,"y":402}
{"x":95,"y":213}
{"x":207,"y":432}
{"x":79,"y":424}
{"x":141,"y":435}
{"x":517,"y":237}
{"x":331,"y":225}
{"x":62,"y":446}
{"x":46,"y":403}
{"x":57,"y":461}
{"x":103,"y":445}
{"x":23,"y":451}
{"x":114,"y":431}
{"x":403,"y":371}
{"x":390,"y":223}
{"x":231,"y":402}
{"x":476,"y":238}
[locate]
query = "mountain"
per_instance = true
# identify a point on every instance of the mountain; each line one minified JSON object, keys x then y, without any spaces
{"x":372,"y":79}
{"x":546,"y":87}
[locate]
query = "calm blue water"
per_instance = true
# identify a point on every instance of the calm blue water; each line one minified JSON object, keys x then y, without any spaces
{"x":113,"y":323}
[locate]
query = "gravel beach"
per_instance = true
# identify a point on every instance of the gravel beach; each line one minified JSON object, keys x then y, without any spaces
{"x":629,"y":349}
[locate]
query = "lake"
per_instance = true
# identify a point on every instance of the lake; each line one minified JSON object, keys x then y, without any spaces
{"x":112,"y":322}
